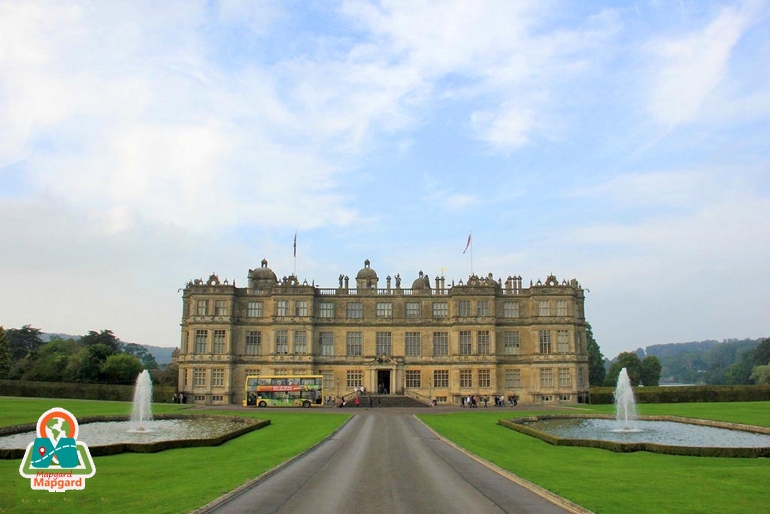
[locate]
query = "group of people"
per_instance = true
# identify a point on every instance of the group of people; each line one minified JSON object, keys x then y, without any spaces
{"x":179,"y":398}
{"x":472,"y":401}
{"x":356,"y":401}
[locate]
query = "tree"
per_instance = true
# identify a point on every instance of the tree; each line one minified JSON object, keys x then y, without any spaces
{"x":596,"y":371}
{"x":93,"y":360}
{"x":105,"y":337}
{"x":633,"y":365}
{"x":5,"y":355}
{"x":22,"y":341}
{"x":761,"y":375}
{"x":651,"y":368}
{"x":50,"y":361}
{"x":121,"y":368}
{"x":141,"y":353}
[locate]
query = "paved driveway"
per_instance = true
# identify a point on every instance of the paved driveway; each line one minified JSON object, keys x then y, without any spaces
{"x":385,"y":461}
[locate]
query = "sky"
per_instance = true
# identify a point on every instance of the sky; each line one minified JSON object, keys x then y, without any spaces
{"x":624,"y":144}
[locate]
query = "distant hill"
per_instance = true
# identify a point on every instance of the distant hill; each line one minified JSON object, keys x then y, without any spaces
{"x":162,"y":355}
{"x":665,"y":350}
{"x":699,"y":362}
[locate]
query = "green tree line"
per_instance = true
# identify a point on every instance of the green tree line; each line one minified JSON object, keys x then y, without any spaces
{"x":95,"y":357}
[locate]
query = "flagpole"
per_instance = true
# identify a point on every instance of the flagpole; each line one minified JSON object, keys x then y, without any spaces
{"x":295,"y":253}
{"x":471,"y":238}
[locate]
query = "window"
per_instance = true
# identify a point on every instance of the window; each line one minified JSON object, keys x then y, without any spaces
{"x":326,"y":342}
{"x":581,"y":377}
{"x":565,"y":380}
{"x":185,"y":377}
{"x":252,"y":372}
{"x":484,"y":378}
{"x":579,"y":347}
{"x":546,"y":377}
{"x":466,"y":342}
{"x":282,"y":308}
{"x":413,"y":378}
{"x":562,"y":339}
{"x":466,"y":378}
{"x":561,"y":308}
{"x":512,"y":378}
{"x":300,"y":342}
{"x":412,"y":345}
{"x":355,"y":378}
{"x":253,"y":343}
{"x":354,"y":343}
{"x":482,"y":342}
{"x":326,"y":310}
{"x":482,"y":308}
{"x":384,"y":310}
{"x":300,"y":308}
{"x":281,"y":372}
{"x":511,"y":309}
{"x":201,"y":340}
{"x":512,"y":342}
{"x":441,"y":378}
{"x":328,"y":378}
{"x":218,"y":377}
{"x":545,"y":341}
{"x":383,"y":341}
{"x":203,"y":307}
{"x":440,"y":310}
{"x":413,"y":310}
{"x":464,"y":308}
{"x":199,"y":377}
{"x":254,"y":309}
{"x":220,"y":308}
{"x":543,"y":308}
{"x":281,"y":342}
{"x":186,"y":342}
{"x":219,"y":341}
{"x":440,"y":343}
{"x":217,"y":398}
{"x":355,"y":310}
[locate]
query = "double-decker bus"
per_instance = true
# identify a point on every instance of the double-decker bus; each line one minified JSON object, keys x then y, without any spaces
{"x":284,"y":391}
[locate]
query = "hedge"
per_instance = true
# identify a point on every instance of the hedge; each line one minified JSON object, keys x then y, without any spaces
{"x":687,"y":394}
{"x":112,"y":392}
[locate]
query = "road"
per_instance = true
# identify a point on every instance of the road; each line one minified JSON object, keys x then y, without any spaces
{"x":385,"y":462}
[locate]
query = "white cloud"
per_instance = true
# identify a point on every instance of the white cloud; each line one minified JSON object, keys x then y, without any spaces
{"x":688,"y":68}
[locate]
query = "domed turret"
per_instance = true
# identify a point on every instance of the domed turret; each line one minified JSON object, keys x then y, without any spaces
{"x":367,"y":277}
{"x":262,"y":278}
{"x":421,"y":282}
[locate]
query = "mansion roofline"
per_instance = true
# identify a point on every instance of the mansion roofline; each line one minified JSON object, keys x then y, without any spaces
{"x":263,"y":281}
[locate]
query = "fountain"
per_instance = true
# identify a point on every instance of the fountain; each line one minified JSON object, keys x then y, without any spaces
{"x":625,"y":404}
{"x":663,"y":434}
{"x":141,"y":409}
{"x":108,"y":435}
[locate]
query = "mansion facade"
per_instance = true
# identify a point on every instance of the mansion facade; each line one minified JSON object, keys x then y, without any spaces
{"x":431,"y":341}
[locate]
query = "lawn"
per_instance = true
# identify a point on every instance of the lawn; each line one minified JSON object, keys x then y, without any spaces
{"x":169,"y":481}
{"x":604,"y":481}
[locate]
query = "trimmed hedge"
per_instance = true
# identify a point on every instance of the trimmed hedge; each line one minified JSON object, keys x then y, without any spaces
{"x":519,"y":425}
{"x":80,"y":391}
{"x":687,"y":394}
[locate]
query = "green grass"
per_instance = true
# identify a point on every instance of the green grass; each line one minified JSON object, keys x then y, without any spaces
{"x":169,"y":481}
{"x":604,"y":481}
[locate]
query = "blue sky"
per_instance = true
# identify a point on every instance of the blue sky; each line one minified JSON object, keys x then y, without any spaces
{"x":624,"y":144}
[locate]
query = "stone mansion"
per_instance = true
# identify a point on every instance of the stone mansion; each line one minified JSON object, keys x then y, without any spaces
{"x":430,"y":341}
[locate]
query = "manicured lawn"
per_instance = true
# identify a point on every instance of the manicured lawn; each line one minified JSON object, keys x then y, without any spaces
{"x":169,"y":481}
{"x":604,"y":481}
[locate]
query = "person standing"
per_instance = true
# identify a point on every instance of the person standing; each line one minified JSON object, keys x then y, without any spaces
{"x":356,"y":401}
